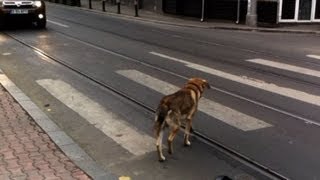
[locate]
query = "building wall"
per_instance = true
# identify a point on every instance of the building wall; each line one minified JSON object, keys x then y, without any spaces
{"x":226,"y":10}
{"x":214,"y":9}
{"x":267,"y":10}
{"x":151,"y":5}
{"x":267,"y":13}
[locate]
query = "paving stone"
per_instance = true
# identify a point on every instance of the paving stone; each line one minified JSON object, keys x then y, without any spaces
{"x":26,"y":152}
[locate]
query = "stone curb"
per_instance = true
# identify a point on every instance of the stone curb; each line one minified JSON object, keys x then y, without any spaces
{"x":256,"y":29}
{"x":60,"y":138}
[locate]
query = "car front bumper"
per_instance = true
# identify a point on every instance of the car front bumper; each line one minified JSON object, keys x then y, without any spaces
{"x":31,"y":14}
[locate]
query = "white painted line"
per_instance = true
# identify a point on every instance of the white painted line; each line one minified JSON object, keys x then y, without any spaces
{"x":6,"y":54}
{"x":57,"y":23}
{"x":287,"y":67}
{"x":313,"y":56}
{"x":227,"y":115}
{"x":117,"y":129}
{"x":291,"y":93}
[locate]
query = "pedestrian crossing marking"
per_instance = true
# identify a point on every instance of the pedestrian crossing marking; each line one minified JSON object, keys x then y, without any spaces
{"x":109,"y":123}
{"x":287,"y":67}
{"x":227,"y":115}
{"x":287,"y":92}
{"x":313,"y":56}
{"x":57,"y":23}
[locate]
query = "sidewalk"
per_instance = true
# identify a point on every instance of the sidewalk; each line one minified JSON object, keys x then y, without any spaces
{"x":26,"y":151}
{"x":33,"y":147}
{"x":144,"y":15}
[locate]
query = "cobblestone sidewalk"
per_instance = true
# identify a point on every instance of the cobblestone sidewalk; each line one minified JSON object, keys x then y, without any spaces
{"x":26,"y":151}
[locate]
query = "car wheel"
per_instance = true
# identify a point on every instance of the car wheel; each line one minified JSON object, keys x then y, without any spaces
{"x":41,"y":24}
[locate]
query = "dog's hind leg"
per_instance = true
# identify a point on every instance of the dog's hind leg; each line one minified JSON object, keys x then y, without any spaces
{"x":159,"y":144}
{"x":172,"y":134}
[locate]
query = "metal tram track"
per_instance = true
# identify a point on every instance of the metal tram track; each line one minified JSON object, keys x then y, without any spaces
{"x":247,"y":161}
{"x":221,"y":61}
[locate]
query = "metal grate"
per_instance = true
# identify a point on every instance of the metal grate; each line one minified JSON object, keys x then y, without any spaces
{"x":18,"y":7}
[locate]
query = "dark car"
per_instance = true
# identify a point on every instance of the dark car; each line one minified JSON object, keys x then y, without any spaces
{"x":24,"y":11}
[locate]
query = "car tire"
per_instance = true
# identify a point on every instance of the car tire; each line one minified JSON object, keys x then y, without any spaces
{"x":41,"y":24}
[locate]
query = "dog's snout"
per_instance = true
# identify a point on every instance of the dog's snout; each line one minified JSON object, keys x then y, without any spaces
{"x":207,"y":85}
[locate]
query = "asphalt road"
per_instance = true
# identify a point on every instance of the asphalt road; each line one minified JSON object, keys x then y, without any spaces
{"x":264,"y":103}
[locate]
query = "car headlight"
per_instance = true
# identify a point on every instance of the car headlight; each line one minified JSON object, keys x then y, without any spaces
{"x":38,"y":4}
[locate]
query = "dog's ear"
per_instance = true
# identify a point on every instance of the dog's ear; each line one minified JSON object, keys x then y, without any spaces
{"x":201,"y":82}
{"x":205,"y":84}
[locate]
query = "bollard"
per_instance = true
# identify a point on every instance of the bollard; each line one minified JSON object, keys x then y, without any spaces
{"x":118,"y":4}
{"x":202,"y":11}
{"x":238,"y":12}
{"x":103,"y":5}
{"x":136,"y":8}
{"x":90,"y":4}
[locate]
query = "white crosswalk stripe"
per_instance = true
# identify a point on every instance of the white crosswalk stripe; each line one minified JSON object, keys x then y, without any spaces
{"x":219,"y":111}
{"x":287,"y":92}
{"x":57,"y":23}
{"x":313,"y":56}
{"x":117,"y":129}
{"x":287,"y":67}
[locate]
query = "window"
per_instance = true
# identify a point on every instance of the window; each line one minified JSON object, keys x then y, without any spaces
{"x":288,"y":9}
{"x":317,"y":12}
{"x":305,"y":9}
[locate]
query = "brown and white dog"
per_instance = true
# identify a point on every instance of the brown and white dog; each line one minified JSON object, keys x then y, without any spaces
{"x":176,"y":109}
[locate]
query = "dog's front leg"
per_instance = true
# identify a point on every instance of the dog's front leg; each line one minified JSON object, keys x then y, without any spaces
{"x":187,"y":133}
{"x":189,"y":126}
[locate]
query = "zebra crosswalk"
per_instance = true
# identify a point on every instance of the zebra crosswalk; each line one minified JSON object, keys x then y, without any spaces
{"x":287,"y":67}
{"x":139,"y":143}
{"x":283,"y":91}
{"x":211,"y":108}
{"x":109,"y":123}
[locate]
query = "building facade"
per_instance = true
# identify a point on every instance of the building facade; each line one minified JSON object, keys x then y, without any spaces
{"x":267,"y":11}
{"x":303,"y":11}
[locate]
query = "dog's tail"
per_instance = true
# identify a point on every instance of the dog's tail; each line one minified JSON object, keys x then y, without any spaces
{"x":160,"y":117}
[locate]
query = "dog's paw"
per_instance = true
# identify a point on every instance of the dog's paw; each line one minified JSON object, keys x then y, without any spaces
{"x":187,"y":143}
{"x":162,"y":159}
